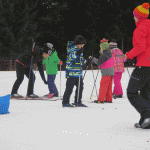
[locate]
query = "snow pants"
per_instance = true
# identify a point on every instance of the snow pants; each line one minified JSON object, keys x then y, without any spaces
{"x":69,"y":87}
{"x":138,"y":91}
{"x":20,"y":72}
{"x":105,"y":91}
{"x":117,"y":84}
{"x":51,"y":85}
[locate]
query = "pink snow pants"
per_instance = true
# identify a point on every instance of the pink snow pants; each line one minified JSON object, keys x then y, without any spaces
{"x":117,"y":84}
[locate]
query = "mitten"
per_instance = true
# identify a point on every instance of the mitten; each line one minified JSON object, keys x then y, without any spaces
{"x":60,"y":62}
{"x":88,"y":61}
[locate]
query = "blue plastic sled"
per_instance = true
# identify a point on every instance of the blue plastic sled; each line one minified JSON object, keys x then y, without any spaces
{"x":4,"y":104}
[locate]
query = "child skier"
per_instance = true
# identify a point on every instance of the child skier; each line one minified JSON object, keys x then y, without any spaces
{"x":51,"y":63}
{"x":23,"y":63}
{"x":106,"y":61}
{"x":119,"y":59}
{"x":74,"y":65}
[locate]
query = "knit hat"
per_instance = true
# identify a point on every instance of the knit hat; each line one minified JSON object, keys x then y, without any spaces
{"x":79,"y":40}
{"x":141,"y":11}
{"x":113,"y":44}
{"x":104,"y":44}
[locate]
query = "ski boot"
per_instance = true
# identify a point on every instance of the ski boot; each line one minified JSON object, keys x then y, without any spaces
{"x":146,"y":124}
{"x":16,"y":96}
{"x":137,"y":125}
{"x":46,"y":95}
{"x":32,"y":96}
{"x":117,"y":96}
{"x":98,"y":102}
{"x":107,"y":102}
{"x":50,"y":95}
{"x":67,"y":105}
{"x":79,"y":105}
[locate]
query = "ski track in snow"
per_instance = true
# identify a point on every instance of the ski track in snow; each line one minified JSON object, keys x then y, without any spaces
{"x":45,"y":125}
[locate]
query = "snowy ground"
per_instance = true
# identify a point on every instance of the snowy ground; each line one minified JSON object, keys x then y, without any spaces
{"x":45,"y":125}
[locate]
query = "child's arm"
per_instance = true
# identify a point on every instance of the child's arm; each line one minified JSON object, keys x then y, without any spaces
{"x":99,"y":61}
{"x":43,"y":62}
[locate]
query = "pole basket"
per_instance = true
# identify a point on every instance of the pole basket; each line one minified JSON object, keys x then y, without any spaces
{"x":4,"y":104}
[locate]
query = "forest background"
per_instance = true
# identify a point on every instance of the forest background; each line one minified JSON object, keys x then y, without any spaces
{"x":59,"y":21}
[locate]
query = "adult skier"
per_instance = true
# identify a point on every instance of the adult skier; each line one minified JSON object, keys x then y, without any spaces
{"x":23,"y":63}
{"x":140,"y":78}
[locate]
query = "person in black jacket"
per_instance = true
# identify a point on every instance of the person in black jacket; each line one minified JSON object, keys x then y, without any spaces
{"x":23,"y":64}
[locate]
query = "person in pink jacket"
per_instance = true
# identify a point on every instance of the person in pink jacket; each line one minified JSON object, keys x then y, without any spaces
{"x":119,"y":59}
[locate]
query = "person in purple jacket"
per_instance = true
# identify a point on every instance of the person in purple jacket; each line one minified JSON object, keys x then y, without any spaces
{"x":119,"y":59}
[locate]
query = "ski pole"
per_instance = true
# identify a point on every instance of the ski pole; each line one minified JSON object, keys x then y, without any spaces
{"x":85,"y":71}
{"x":94,"y":81}
{"x":94,"y":85}
{"x":60,"y":81}
{"x":79,"y":81}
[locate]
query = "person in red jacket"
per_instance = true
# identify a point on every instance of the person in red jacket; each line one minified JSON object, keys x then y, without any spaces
{"x":138,"y":90}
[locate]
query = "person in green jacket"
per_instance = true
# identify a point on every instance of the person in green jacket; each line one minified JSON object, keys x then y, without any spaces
{"x":51,"y":64}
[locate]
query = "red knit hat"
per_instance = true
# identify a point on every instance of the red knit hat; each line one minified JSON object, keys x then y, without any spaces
{"x":141,"y":11}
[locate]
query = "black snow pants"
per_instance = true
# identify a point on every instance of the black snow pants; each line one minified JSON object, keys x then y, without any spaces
{"x":69,"y":87}
{"x":20,"y":72}
{"x":138,"y":91}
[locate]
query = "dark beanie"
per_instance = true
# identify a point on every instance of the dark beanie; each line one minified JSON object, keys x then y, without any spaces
{"x":79,"y":40}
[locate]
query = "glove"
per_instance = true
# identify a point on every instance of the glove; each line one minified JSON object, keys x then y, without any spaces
{"x":90,"y":58}
{"x":80,"y":51}
{"x":60,"y":62}
{"x":45,"y":81}
{"x":130,"y":62}
{"x":88,"y":62}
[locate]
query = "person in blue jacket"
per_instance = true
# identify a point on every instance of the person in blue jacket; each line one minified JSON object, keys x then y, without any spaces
{"x":74,"y":63}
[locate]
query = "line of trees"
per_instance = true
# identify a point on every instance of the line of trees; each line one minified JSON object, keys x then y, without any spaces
{"x":59,"y":21}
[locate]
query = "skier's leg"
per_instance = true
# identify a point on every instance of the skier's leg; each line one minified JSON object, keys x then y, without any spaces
{"x":103,"y":88}
{"x":139,"y":78}
{"x":109,"y":90}
{"x":69,"y":87}
{"x":145,"y":92}
{"x":54,"y":86}
{"x":118,"y":84}
{"x":49,"y":82}
{"x":20,"y":70}
{"x":80,"y":91}
{"x":115,"y":84}
{"x":51,"y":85}
{"x":31,"y":81}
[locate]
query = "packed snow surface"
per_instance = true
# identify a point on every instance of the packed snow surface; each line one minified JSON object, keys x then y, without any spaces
{"x":46,"y":125}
